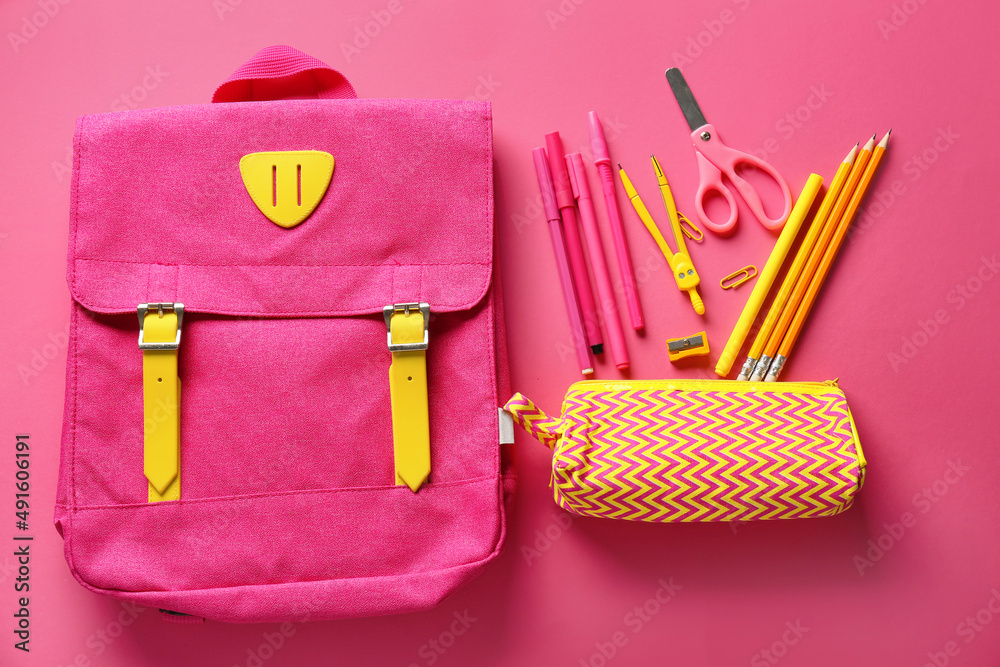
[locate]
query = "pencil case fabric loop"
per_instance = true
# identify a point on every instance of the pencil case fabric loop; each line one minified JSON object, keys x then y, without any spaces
{"x":543,"y":428}
{"x":700,"y":450}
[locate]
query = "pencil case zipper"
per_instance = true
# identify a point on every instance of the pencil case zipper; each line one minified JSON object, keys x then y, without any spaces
{"x":698,"y":383}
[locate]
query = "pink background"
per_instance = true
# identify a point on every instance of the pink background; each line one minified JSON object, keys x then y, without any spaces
{"x":925,"y":69}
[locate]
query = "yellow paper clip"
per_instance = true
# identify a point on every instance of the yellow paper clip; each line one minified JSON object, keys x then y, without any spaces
{"x":689,"y":228}
{"x":734,"y":280}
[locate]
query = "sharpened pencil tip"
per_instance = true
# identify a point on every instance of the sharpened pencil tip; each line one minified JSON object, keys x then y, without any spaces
{"x":619,"y":166}
{"x":885,"y":140}
{"x":853,"y":154}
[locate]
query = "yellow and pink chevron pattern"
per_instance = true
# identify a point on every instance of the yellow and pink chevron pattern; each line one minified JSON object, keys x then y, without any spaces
{"x":700,"y":450}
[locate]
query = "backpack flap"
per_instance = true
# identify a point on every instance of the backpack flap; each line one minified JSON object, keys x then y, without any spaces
{"x":159,"y":205}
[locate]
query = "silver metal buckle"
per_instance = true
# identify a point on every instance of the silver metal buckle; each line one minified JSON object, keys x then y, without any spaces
{"x":389,"y":311}
{"x":144,"y":308}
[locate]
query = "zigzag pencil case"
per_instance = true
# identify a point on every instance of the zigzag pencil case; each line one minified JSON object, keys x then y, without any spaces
{"x":700,"y":450}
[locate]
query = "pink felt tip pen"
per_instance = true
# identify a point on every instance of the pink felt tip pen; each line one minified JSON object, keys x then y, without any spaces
{"x":602,"y":160}
{"x":562,"y":263}
{"x":606,"y":293}
{"x":574,"y":244}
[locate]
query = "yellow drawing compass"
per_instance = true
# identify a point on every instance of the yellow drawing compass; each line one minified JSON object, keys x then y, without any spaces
{"x":680,"y":262}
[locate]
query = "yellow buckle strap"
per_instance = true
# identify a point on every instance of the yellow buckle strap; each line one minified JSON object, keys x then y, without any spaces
{"x":407,"y":337}
{"x":159,"y":339}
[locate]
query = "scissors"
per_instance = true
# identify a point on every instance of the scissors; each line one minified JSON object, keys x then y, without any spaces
{"x":716,"y":159}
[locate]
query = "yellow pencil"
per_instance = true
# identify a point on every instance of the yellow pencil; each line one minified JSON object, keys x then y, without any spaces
{"x":828,"y":256}
{"x":769,"y":273}
{"x":799,"y":289}
{"x":822,"y":216}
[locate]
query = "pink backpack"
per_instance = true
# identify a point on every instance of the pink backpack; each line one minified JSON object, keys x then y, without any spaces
{"x":280,"y":486}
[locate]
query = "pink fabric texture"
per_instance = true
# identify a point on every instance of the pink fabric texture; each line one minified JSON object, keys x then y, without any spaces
{"x":288,"y":507}
{"x":281,"y":72}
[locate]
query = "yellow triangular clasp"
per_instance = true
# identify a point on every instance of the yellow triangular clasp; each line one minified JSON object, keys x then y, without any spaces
{"x":286,"y":185}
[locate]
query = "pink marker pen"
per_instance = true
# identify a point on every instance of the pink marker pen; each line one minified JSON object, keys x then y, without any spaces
{"x":574,"y":244}
{"x":602,"y":160}
{"x":581,"y":189}
{"x":562,"y":263}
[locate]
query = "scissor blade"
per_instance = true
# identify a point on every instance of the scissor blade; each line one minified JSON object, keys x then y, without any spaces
{"x":689,"y":107}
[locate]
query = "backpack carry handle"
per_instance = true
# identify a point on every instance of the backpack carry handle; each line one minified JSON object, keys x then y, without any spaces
{"x":283,"y":73}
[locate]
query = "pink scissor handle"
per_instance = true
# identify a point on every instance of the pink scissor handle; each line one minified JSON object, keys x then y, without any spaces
{"x":726,"y":160}
{"x":709,"y":181}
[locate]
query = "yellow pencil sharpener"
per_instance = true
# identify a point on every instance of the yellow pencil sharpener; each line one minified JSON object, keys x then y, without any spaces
{"x":690,"y":346}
